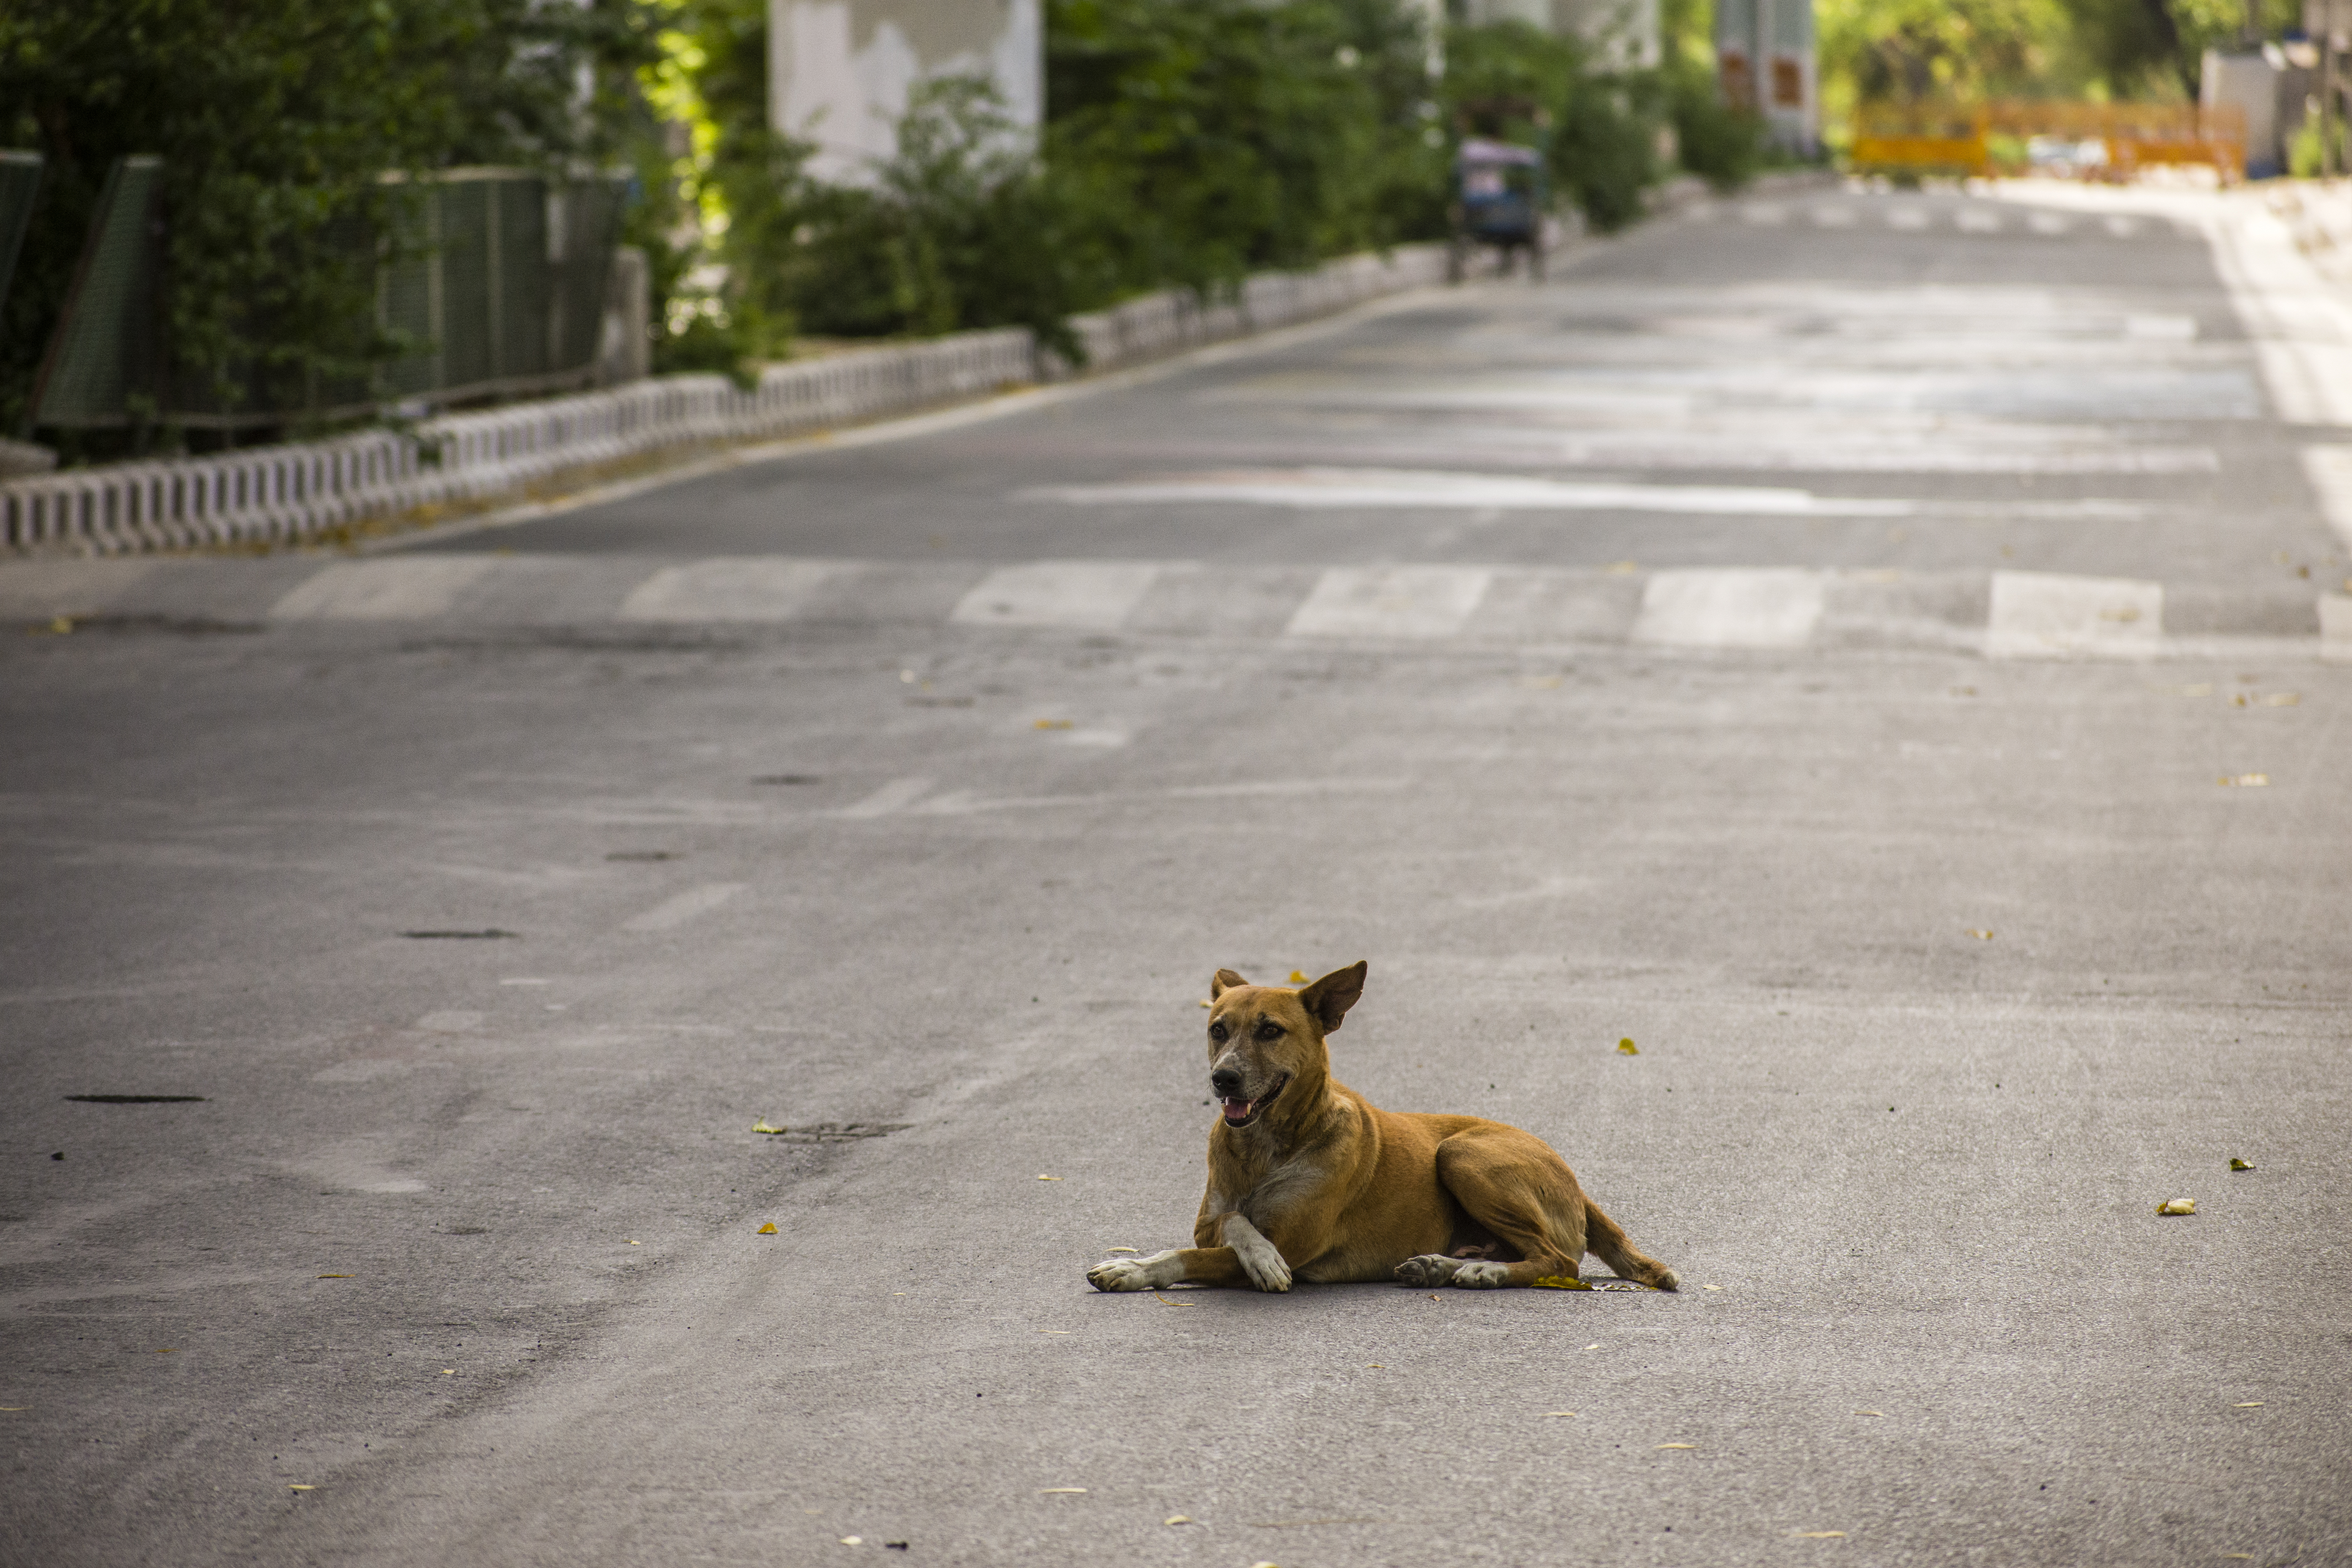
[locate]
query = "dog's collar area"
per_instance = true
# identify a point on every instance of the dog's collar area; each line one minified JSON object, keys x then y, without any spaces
{"x":1251,"y":1109}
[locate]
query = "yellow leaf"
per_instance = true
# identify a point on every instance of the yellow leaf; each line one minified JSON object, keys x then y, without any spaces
{"x":2237,"y":1164}
{"x":334,"y":1276}
{"x":1204,"y":1003}
{"x":1176,"y":1519}
{"x":167,"y":1350}
{"x":853,"y":1540}
{"x":1166,"y":1302}
{"x":1678,"y":1444}
{"x":762,"y":1126}
{"x":1980,"y":935}
{"x":1870,"y":1413}
{"x":2246,"y":780}
{"x":1049,"y":1178}
{"x":1054,"y":724}
{"x":1560,"y":1412}
{"x":1561,"y":1282}
{"x":293,"y":1488}
{"x":767,"y":1229}
{"x":1626,"y":1047}
{"x":2249,"y":1404}
{"x":633,"y":1243}
{"x":1299,"y":977}
{"x":448,"y":1371}
{"x":2177,"y":1206}
{"x":1376,"y":1366}
{"x":1710,"y":1286}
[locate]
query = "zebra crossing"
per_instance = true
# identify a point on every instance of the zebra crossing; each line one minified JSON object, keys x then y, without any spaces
{"x":1859,"y":208}
{"x":2004,"y":614}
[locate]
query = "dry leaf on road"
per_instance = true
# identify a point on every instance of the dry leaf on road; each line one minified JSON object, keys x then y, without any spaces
{"x":1626,"y":1047}
{"x":1299,"y":977}
{"x":2237,"y":1164}
{"x":767,"y":1229}
{"x":2245,"y":780}
{"x":2177,"y":1206}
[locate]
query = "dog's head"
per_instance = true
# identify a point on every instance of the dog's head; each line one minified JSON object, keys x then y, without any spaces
{"x":1265,"y":1041}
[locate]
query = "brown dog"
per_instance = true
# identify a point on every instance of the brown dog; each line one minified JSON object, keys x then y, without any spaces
{"x":1308,"y":1181}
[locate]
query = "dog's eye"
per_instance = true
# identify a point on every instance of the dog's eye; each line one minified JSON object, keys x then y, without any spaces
{"x":1217,"y":1032}
{"x":1269,"y":1030}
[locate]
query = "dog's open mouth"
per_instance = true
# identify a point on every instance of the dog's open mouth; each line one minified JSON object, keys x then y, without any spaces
{"x":1241,"y":1112}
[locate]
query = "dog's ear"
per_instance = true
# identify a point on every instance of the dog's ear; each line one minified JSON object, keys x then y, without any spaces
{"x":1225,"y":981}
{"x":1331,"y":997}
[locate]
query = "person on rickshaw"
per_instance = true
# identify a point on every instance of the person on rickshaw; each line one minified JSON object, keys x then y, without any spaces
{"x":1500,"y":197}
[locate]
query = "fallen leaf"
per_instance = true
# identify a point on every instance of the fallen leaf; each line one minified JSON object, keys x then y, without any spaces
{"x":1049,"y":1178}
{"x":2283,"y":700}
{"x":762,"y":1126}
{"x":1176,"y":1519}
{"x":767,"y":1229}
{"x":1593,"y":1346}
{"x":1820,"y":1534}
{"x":1710,"y":1286}
{"x":1050,"y":1491}
{"x":1560,"y":1412}
{"x":853,"y":1540}
{"x":1297,"y":977}
{"x":1118,"y":1250}
{"x":1561,"y":1282}
{"x":1054,"y":724}
{"x":1979,"y":935}
{"x":1166,"y":1302}
{"x":1626,"y":1047}
{"x":1870,"y":1413}
{"x":334,"y":1276}
{"x":2249,"y":1404}
{"x":1678,"y":1444}
{"x":2177,"y":1206}
{"x":1057,"y":1330}
{"x":2239,"y":700}
{"x":2246,"y":780}
{"x":1376,"y":1365}
{"x":292,"y":1487}
{"x":2237,"y":1164}
{"x":633,"y":1243}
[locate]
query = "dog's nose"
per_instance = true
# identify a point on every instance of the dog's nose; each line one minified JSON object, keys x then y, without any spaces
{"x":1226,"y":1082}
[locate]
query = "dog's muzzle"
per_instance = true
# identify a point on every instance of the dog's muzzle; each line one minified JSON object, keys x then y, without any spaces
{"x":1241,"y":1112}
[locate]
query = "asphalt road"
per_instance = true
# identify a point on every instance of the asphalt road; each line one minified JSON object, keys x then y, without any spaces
{"x":1620,"y":657}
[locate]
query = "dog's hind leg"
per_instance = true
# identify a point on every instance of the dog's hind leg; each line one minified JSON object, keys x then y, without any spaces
{"x":1607,"y":1240}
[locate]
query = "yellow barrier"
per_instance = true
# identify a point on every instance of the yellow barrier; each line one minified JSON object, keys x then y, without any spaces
{"x":1958,"y":139}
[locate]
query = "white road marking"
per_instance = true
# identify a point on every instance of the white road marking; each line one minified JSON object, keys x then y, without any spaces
{"x":1759,"y":212}
{"x":896,"y":796}
{"x":2335,"y":628}
{"x":695,"y":903}
{"x":1412,"y":602}
{"x":2329,"y":469}
{"x":2048,"y":223}
{"x":1974,"y":220}
{"x":2047,"y":615}
{"x":398,"y":588}
{"x":732,"y":588}
{"x":1322,"y":488}
{"x":2162,"y":329}
{"x":1087,"y":596}
{"x":1910,"y":219}
{"x":1832,"y":217}
{"x":1735,"y":607}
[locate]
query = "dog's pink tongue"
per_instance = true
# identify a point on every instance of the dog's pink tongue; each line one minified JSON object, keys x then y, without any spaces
{"x":1237,"y":1109}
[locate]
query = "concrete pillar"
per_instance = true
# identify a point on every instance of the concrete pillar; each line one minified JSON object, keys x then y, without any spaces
{"x":1765,"y":61}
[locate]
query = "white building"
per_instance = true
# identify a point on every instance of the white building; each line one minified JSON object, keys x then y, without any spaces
{"x":1765,"y":61}
{"x":1624,"y":33}
{"x":839,"y":72}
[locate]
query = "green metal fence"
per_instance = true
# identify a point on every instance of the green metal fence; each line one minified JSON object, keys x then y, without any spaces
{"x":496,"y":277}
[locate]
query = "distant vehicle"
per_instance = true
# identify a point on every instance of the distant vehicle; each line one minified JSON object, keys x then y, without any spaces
{"x":1500,"y":196}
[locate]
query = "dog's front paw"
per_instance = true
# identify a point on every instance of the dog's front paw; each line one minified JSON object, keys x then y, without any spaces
{"x":1119,"y":1274}
{"x":1480,"y":1275}
{"x":1429,"y":1268}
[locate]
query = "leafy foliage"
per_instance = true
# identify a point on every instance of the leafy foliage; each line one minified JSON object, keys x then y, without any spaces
{"x":275,"y":120}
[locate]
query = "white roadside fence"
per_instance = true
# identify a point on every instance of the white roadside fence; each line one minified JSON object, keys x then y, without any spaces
{"x":272,"y":493}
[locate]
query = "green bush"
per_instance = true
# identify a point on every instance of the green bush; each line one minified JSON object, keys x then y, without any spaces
{"x":1723,"y":145}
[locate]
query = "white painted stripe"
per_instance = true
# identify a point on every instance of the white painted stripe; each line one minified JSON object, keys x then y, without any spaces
{"x":1092,"y":595}
{"x":896,"y":796}
{"x":732,"y":588}
{"x":2047,"y":615}
{"x":2310,"y":383}
{"x":1732,"y":608}
{"x":1320,"y":488}
{"x":1974,"y":220}
{"x":671,"y":913}
{"x":2329,"y":469}
{"x":1911,"y":219}
{"x":2336,"y":628}
{"x":398,"y":588}
{"x":1413,"y":602}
